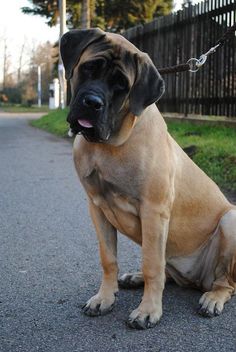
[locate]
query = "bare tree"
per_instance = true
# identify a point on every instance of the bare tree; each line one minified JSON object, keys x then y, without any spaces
{"x":6,"y":63}
{"x":42,"y":55}
{"x":19,"y":71}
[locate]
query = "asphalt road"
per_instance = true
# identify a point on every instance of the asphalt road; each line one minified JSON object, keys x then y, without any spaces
{"x":49,"y":263}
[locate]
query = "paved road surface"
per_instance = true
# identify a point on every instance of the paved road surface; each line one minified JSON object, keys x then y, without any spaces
{"x":49,"y":264}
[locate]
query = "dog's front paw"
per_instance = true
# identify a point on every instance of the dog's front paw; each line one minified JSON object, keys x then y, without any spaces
{"x":144,"y":319}
{"x":210,"y":305}
{"x":99,"y":305}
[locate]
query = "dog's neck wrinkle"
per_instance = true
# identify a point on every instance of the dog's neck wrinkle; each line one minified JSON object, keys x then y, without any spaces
{"x":144,"y":124}
{"x":142,"y":127}
{"x":124,"y":132}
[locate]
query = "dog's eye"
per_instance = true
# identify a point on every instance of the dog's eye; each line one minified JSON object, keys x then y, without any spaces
{"x":119,"y":82}
{"x":90,"y":67}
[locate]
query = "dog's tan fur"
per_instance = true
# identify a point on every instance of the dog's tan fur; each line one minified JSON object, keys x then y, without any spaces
{"x":142,"y":184}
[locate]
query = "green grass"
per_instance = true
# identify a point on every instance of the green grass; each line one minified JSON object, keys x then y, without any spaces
{"x":54,"y":122}
{"x":23,"y":109}
{"x":216,"y":145}
{"x":216,"y":150}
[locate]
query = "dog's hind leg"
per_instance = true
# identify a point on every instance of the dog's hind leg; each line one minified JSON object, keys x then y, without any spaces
{"x":135,"y":280}
{"x":131,"y":280}
{"x":224,"y":286}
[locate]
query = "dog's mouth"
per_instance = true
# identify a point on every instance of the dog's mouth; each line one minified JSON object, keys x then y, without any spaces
{"x":85,"y":123}
{"x":89,"y":130}
{"x":86,"y":128}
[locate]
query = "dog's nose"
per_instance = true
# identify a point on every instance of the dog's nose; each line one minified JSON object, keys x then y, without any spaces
{"x":93,"y":101}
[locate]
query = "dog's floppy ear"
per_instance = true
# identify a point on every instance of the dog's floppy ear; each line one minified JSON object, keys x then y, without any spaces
{"x":73,"y":44}
{"x":148,"y":86}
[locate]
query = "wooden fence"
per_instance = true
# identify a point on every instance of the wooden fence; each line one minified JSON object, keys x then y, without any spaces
{"x":174,"y":39}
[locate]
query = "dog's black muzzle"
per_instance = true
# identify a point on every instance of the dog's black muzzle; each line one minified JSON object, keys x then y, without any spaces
{"x":88,"y":116}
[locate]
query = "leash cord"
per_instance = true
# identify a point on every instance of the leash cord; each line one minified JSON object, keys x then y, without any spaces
{"x":194,"y":64}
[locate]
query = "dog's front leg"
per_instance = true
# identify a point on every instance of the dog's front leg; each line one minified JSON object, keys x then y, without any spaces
{"x":102,"y":303}
{"x":154,"y":236}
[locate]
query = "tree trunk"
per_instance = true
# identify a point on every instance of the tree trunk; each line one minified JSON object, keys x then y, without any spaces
{"x":85,"y":14}
{"x":20,"y":62}
{"x":4,"y":65}
{"x":7,"y":77}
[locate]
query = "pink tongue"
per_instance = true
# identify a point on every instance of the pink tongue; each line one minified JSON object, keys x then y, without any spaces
{"x":85,"y":123}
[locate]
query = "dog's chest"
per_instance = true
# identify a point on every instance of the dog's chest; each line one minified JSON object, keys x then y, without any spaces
{"x":116,"y":199}
{"x":109,"y":192}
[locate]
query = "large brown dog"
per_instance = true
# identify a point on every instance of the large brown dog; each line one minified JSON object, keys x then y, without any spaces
{"x":141,"y":183}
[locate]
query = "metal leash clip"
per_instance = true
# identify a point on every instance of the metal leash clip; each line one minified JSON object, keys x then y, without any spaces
{"x":195,"y":64}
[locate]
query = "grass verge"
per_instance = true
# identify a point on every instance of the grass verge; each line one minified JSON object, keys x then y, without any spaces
{"x":54,"y":122}
{"x":215,"y":145}
{"x":23,"y":109}
{"x":216,"y":149}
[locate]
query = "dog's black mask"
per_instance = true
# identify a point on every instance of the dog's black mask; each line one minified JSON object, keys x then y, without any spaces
{"x":109,"y":78}
{"x":97,"y":100}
